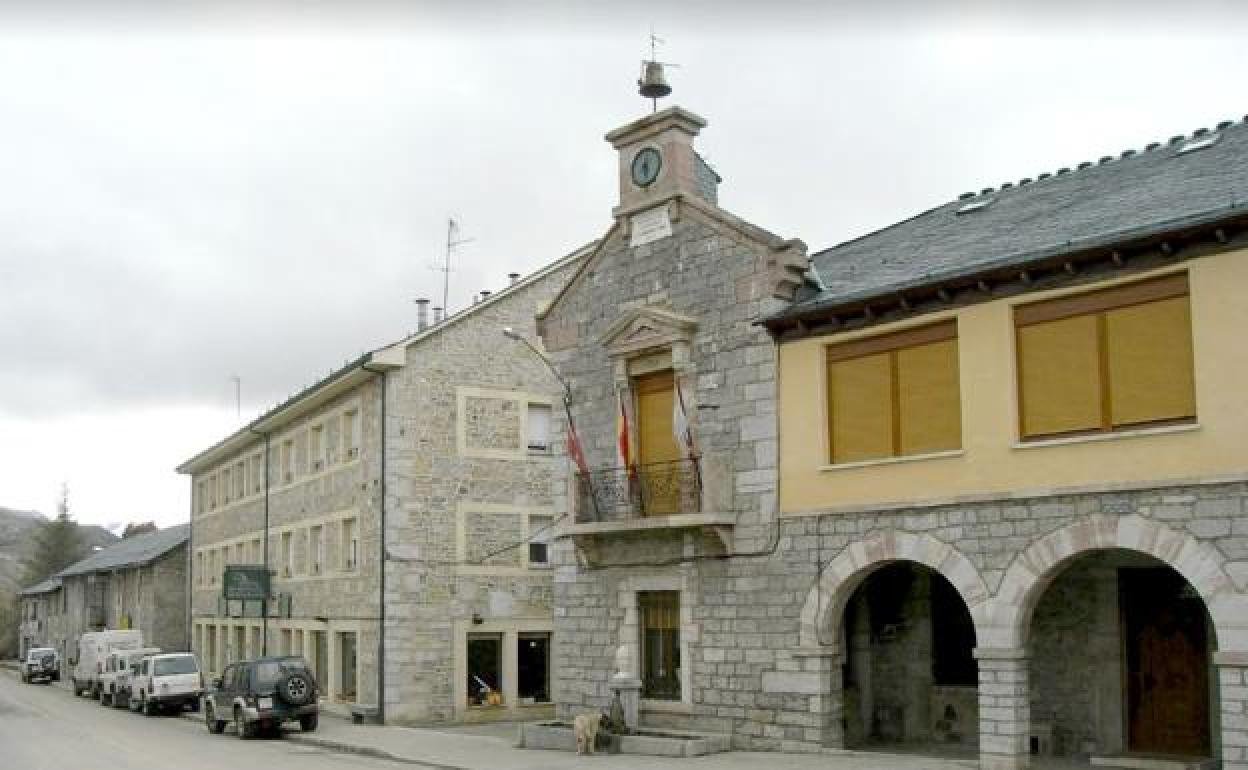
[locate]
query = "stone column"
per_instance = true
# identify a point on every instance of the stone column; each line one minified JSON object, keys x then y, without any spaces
{"x":1233,"y":709}
{"x":1004,"y":709}
{"x":823,"y":665}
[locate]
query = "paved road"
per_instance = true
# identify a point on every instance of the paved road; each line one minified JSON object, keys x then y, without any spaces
{"x":44,"y":727}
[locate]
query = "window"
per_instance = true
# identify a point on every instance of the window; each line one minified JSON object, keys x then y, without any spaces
{"x":348,"y":665}
{"x":199,"y":568}
{"x":1106,"y":360}
{"x":660,"y":644}
{"x":214,"y":557}
{"x":201,"y":499}
{"x":538,"y":424}
{"x":240,"y":486}
{"x":288,"y":555}
{"x":288,"y":461}
{"x":257,"y":473}
{"x":533,"y":668}
{"x":225,"y":486}
{"x":316,"y":550}
{"x":316,"y":448}
{"x":894,"y":395}
{"x":212,"y":492}
{"x":539,"y":539}
{"x":485,"y":670}
{"x":257,"y":555}
{"x":350,"y":545}
{"x":351,"y":434}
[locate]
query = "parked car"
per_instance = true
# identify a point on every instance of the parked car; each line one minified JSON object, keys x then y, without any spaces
{"x":93,"y":647}
{"x":170,"y":681}
{"x":42,"y":664}
{"x":114,"y":689}
{"x":263,"y":694}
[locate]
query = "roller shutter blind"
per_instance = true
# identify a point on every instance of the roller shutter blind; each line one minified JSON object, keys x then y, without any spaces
{"x":894,"y":395}
{"x":1105,"y":360}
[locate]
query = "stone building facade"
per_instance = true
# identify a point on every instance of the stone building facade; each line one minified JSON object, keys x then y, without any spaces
{"x":137,"y":583}
{"x":966,"y":580}
{"x":407,"y":500}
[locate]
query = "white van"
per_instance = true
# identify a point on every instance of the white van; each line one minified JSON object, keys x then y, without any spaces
{"x":169,"y":681}
{"x":114,"y":681}
{"x":93,"y":648}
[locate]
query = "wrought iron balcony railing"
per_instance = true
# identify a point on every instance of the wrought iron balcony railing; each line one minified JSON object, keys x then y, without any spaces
{"x":657,"y":489}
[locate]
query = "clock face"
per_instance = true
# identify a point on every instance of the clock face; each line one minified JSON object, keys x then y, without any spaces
{"x":646,"y":165}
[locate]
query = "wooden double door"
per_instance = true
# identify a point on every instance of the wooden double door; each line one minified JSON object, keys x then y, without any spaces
{"x":1167,"y":663}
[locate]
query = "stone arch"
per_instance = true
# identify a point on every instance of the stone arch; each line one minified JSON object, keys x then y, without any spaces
{"x":825,"y":603}
{"x":1034,"y":569}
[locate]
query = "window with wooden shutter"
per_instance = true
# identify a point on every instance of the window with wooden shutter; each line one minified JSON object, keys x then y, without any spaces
{"x":894,"y":395}
{"x":1107,"y":360}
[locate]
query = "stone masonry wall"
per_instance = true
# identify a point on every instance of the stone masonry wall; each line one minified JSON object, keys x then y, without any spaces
{"x":750,"y":678}
{"x":461,"y":488}
{"x":350,"y":487}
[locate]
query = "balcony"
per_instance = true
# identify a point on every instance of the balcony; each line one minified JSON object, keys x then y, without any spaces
{"x":647,"y":498}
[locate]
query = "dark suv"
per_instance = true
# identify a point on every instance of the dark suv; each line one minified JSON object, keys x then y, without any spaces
{"x":262,"y":694}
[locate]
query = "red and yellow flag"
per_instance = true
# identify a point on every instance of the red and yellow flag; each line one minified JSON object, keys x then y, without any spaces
{"x":621,"y":432}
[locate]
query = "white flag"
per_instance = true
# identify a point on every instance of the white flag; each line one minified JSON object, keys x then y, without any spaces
{"x":680,"y":423}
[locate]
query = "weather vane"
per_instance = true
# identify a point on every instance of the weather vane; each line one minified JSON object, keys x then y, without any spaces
{"x":652,"y":85}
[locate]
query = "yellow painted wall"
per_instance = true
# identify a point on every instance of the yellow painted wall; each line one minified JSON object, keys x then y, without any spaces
{"x":992,"y":460}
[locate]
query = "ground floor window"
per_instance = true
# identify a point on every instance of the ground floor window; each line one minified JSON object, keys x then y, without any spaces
{"x":660,"y":644}
{"x":533,"y":668}
{"x":347,"y":659}
{"x":485,"y":670}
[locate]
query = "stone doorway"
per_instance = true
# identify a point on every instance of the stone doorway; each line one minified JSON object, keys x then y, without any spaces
{"x":1120,"y":654}
{"x":910,"y":678}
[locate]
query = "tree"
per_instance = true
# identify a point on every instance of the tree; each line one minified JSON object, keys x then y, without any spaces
{"x":58,"y":544}
{"x":138,"y":528}
{"x":9,"y":621}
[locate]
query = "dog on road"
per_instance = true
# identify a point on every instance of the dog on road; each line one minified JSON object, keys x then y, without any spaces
{"x":586,"y":727}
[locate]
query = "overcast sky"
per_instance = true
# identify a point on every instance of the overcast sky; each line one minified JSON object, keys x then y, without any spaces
{"x":190,"y":196}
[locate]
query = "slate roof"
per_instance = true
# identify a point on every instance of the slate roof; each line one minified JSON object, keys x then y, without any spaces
{"x":130,"y":552}
{"x":1102,"y":203}
{"x":51,"y":584}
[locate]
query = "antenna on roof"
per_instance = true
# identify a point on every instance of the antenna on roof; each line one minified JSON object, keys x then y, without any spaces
{"x":652,"y":84}
{"x":453,"y":240}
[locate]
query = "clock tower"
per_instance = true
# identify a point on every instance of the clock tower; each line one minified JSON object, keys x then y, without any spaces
{"x":658,"y":162}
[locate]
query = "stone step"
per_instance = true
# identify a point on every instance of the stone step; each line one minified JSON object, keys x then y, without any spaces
{"x":1153,"y":762}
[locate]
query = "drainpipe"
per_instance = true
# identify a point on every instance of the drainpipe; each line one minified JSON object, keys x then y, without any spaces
{"x":381,"y":564}
{"x":264,"y":610}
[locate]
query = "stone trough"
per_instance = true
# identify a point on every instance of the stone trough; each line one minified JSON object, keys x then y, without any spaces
{"x":651,"y":742}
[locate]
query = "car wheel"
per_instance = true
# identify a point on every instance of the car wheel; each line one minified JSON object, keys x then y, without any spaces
{"x":296,"y":688}
{"x":245,"y":731}
{"x":215,"y":726}
{"x":308,"y":722}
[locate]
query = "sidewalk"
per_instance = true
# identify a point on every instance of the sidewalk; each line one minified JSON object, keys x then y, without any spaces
{"x":491,"y":748}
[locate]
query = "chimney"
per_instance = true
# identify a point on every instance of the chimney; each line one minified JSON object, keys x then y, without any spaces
{"x":485,"y":294}
{"x":422,"y":314}
{"x":512,"y":278}
{"x":437,"y":314}
{"x":476,"y":298}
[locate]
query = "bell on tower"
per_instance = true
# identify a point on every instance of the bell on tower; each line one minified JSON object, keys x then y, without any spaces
{"x":653,"y":84}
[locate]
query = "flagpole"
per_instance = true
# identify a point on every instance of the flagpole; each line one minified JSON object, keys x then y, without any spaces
{"x":512,"y":334}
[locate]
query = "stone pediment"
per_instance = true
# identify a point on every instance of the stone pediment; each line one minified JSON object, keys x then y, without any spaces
{"x":647,"y":328}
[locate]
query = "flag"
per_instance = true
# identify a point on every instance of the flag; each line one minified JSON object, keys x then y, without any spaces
{"x":621,"y":432}
{"x":680,"y":424}
{"x":574,"y":448}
